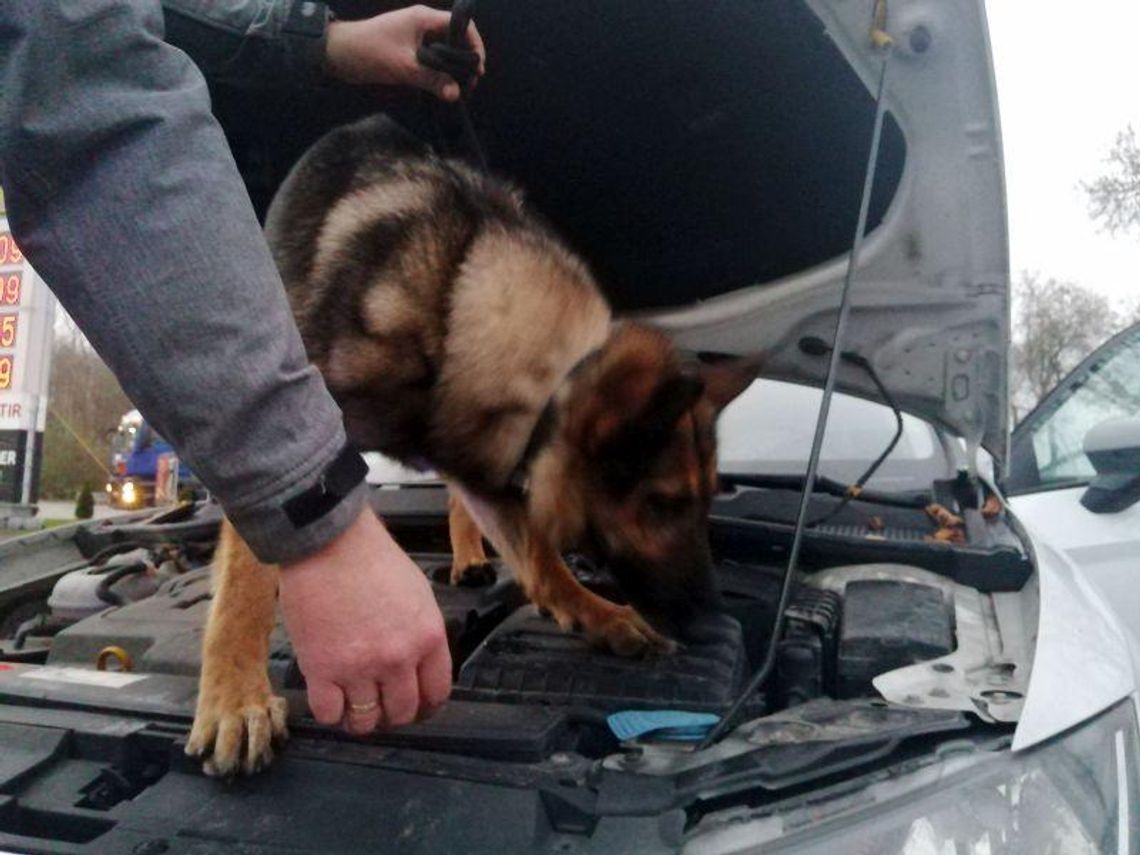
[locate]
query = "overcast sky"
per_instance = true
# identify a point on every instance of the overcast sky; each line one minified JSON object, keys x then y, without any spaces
{"x":1067,"y":77}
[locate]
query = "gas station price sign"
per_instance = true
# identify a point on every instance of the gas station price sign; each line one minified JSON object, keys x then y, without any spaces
{"x":11,"y":289}
{"x":9,"y":252}
{"x":27,"y":314}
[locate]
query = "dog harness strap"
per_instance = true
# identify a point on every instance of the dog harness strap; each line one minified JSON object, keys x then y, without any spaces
{"x":336,"y":482}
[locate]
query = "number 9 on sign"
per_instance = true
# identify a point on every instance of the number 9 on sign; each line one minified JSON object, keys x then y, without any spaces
{"x":10,"y":292}
{"x":5,"y":372}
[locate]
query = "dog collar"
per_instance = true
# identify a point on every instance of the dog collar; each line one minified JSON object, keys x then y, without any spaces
{"x":518,"y":482}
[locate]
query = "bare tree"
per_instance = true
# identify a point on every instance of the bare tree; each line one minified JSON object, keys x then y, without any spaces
{"x":1114,"y":198}
{"x":1128,"y":309}
{"x":85,"y":403}
{"x":1056,"y":325}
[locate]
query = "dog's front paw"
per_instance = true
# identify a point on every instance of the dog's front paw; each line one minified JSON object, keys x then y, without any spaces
{"x":474,"y":574}
{"x":234,"y":730}
{"x":626,"y":633}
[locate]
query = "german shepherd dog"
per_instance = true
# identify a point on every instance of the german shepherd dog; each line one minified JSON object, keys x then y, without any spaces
{"x":457,"y":331}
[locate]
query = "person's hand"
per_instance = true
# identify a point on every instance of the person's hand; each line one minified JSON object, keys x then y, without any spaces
{"x":382,"y":50}
{"x":367,"y":632}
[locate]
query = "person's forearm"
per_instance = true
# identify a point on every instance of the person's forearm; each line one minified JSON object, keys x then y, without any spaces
{"x":124,"y":196}
{"x":251,"y":42}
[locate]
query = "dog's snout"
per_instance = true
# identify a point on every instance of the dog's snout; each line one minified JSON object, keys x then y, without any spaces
{"x":689,"y":614}
{"x":675,"y":598}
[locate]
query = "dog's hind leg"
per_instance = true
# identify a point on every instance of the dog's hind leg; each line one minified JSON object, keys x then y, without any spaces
{"x":550,"y":585}
{"x":469,"y":564}
{"x":238,"y":717}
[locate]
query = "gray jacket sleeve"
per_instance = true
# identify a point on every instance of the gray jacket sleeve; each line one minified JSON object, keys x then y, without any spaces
{"x":251,"y":42}
{"x":123,"y":195}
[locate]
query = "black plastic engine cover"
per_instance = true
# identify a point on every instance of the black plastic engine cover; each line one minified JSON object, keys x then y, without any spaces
{"x":528,"y":658}
{"x":163,"y":634}
{"x":887,"y":625}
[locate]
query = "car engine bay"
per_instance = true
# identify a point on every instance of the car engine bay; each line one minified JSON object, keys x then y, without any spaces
{"x":139,"y":603}
{"x":886,"y":654}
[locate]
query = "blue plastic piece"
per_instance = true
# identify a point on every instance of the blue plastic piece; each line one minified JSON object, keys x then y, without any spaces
{"x":662,"y":724}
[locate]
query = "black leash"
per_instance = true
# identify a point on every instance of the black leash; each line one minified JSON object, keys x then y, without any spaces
{"x":455,"y":58}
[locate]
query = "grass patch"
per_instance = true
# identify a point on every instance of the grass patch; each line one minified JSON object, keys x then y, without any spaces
{"x":51,"y":522}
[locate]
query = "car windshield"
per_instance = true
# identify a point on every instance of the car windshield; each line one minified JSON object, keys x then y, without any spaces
{"x":1108,"y":390}
{"x":768,"y":430}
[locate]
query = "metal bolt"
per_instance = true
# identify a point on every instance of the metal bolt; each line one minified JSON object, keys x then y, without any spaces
{"x":920,"y":39}
{"x":633,"y":756}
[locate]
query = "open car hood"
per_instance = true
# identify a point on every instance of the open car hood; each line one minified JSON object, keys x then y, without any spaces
{"x":708,"y":159}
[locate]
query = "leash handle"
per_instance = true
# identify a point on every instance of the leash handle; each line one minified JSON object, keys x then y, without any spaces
{"x":461,"y":12}
{"x":455,"y":58}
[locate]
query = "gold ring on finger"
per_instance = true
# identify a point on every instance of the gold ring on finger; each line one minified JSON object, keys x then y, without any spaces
{"x":361,"y":709}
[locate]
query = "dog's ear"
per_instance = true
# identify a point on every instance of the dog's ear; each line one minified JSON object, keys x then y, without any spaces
{"x":626,"y":452}
{"x":671,"y":400}
{"x":625,"y":410}
{"x":725,"y":377}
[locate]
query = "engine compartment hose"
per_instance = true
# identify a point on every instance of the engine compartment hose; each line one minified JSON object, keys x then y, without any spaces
{"x":103,"y":589}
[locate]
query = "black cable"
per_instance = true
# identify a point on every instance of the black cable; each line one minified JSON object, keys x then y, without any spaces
{"x":823,"y":484}
{"x":103,"y":589}
{"x":758,"y":679}
{"x":817,"y":347}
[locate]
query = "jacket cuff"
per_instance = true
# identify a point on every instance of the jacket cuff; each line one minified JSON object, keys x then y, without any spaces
{"x":311,"y":513}
{"x":252,"y":42}
{"x":306,"y":34}
{"x":274,"y":540}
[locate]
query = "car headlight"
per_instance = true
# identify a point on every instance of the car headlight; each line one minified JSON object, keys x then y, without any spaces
{"x":1078,"y":793}
{"x":130,"y":493}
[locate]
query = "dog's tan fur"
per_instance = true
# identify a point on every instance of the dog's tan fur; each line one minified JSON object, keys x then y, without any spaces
{"x":238,"y":717}
{"x":445,"y":319}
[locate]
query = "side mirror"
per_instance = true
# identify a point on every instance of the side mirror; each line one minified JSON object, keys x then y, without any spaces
{"x":1113,"y":448}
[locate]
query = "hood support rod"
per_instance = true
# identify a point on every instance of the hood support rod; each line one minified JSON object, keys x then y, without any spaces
{"x":758,"y":679}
